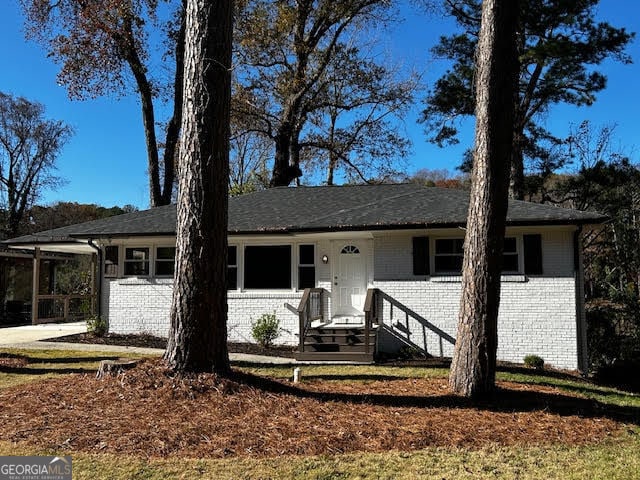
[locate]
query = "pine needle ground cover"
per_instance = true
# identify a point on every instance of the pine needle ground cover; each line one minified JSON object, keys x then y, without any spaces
{"x":150,"y":420}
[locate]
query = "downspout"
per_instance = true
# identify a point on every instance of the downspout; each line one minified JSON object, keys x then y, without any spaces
{"x":581,"y":322}
{"x":99,"y":274}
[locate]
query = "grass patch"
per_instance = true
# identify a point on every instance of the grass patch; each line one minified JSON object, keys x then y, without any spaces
{"x":46,"y":364}
{"x":353,"y":373}
{"x":617,"y":459}
{"x":614,"y":458}
{"x":602,"y":394}
{"x":364,"y":373}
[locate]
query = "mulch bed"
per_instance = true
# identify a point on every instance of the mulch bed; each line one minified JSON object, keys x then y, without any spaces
{"x":149,"y":341}
{"x":148,"y":411}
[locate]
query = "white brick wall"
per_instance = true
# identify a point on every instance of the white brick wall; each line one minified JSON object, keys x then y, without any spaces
{"x":142,"y":306}
{"x":136,"y":305}
{"x":537,"y":316}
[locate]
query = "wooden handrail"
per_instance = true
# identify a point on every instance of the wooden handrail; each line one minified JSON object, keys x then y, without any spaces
{"x":370,"y":313}
{"x":304,"y":300}
{"x":368,"y":301}
{"x":65,"y":313}
{"x":305,"y":313}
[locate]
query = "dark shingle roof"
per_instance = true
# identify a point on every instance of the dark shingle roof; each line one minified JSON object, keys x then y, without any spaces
{"x":313,"y":209}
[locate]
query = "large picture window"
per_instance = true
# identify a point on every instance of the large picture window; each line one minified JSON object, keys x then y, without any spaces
{"x":136,"y":261}
{"x":267,"y":267}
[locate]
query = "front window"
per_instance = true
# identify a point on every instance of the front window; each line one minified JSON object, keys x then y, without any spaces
{"x":232,"y":268}
{"x":306,"y":267}
{"x":136,"y":261}
{"x":165,"y":261}
{"x":510,"y":255}
{"x":448,"y":255}
{"x":267,"y":267}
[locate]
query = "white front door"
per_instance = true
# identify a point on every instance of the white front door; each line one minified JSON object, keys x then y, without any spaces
{"x":349,"y":279}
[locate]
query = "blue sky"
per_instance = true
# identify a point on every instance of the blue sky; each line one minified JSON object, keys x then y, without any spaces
{"x":105,"y":161}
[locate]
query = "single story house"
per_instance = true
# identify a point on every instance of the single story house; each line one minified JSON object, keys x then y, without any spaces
{"x":350,"y":270}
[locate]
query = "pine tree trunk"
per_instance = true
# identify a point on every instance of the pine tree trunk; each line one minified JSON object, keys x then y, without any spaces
{"x":198,"y":332}
{"x":516,"y":180}
{"x":474,"y":360}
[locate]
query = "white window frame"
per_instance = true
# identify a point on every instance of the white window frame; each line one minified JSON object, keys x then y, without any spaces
{"x":235,"y":265}
{"x":156,"y":259}
{"x":517,"y":253}
{"x":300,"y":264}
{"x":435,"y":254}
{"x":125,"y":261}
{"x":116,"y":274}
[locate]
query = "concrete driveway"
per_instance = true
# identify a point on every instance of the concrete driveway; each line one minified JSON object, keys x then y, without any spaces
{"x":32,"y":333}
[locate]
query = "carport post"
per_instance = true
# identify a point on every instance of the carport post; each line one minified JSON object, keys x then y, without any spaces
{"x":36,"y":285}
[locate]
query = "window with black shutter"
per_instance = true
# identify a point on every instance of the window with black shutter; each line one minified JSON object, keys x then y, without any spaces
{"x":532,"y":254}
{"x":421,"y":255}
{"x":448,"y":256}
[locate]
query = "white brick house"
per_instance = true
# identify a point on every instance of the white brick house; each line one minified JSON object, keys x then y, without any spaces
{"x":395,"y":248}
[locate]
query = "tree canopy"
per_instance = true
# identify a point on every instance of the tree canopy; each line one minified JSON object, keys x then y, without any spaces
{"x":29,"y":147}
{"x":305,"y":82}
{"x":106,"y":47}
{"x":560,"y":47}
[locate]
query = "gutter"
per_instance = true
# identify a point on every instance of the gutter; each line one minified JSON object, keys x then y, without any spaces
{"x":99,"y":274}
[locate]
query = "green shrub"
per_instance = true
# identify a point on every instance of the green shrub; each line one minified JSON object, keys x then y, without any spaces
{"x":534,"y":361}
{"x":97,"y":326}
{"x":266,"y":329}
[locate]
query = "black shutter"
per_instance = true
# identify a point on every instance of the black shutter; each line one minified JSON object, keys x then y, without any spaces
{"x":532,"y":254}
{"x":421,"y":255}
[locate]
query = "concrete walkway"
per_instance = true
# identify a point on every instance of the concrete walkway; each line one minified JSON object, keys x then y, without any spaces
{"x":11,"y":336}
{"x":32,"y":336}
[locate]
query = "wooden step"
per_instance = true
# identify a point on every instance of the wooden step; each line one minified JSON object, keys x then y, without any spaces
{"x":354,"y":336}
{"x":334,"y":357}
{"x":337,"y":331}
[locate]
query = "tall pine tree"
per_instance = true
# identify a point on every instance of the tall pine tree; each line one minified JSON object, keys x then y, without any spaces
{"x":198,"y":332}
{"x":474,"y":358}
{"x":560,"y":45}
